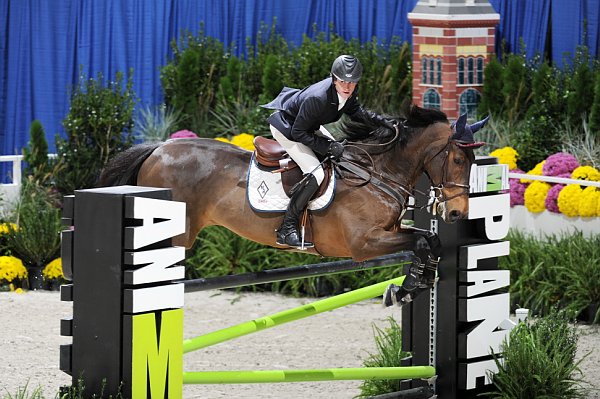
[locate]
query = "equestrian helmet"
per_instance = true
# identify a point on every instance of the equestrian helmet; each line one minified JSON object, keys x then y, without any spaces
{"x":347,"y":68}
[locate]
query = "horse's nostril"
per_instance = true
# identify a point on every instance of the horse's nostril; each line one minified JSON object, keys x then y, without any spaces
{"x":454,"y":215}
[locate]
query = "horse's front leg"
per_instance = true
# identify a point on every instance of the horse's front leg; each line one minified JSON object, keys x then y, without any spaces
{"x":422,"y":272}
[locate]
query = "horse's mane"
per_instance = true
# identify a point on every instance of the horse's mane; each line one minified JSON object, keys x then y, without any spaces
{"x":423,"y":117}
{"x":416,"y":117}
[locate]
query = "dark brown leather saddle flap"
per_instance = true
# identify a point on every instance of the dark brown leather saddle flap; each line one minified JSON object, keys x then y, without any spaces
{"x":269,"y":153}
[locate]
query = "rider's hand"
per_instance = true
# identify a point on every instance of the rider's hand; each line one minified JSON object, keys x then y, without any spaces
{"x":336,"y":150}
{"x":390,"y":123}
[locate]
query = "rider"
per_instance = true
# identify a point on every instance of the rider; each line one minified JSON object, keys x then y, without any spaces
{"x":299,"y":115}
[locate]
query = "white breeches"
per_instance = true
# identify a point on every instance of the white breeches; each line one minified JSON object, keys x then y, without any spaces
{"x":301,"y":154}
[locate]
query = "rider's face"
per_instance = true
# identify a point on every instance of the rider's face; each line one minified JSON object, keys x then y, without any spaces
{"x":344,"y":89}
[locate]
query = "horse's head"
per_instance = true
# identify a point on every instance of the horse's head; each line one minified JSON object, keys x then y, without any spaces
{"x":448,"y":165}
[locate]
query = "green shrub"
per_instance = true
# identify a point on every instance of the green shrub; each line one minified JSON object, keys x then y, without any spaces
{"x":219,"y":252}
{"x":389,"y":354}
{"x":492,"y":99}
{"x":35,"y":155}
{"x":219,"y":94}
{"x":559,"y":271}
{"x":539,"y":361}
{"x":99,"y":125}
{"x":155,"y":125}
{"x":36,"y":241}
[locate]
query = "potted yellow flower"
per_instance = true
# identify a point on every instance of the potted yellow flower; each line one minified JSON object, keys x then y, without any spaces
{"x":53,"y":275}
{"x":12,"y":273}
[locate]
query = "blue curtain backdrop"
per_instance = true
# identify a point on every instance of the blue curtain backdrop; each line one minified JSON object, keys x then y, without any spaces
{"x":44,"y":43}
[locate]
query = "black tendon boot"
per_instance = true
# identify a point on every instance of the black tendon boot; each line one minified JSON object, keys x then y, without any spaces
{"x":413,"y":284}
{"x":287,"y":233}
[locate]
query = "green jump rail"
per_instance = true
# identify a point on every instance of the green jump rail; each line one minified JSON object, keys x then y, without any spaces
{"x":323,"y":305}
{"x":272,"y":376}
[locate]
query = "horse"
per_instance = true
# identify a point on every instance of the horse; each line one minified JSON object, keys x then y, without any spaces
{"x":363,"y":221}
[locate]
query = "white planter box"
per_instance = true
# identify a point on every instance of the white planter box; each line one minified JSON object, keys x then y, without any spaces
{"x":548,"y":223}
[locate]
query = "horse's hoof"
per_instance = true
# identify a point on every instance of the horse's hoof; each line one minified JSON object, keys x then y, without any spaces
{"x":389,"y":296}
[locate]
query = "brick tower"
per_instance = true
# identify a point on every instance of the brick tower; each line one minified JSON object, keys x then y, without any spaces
{"x":452,"y":42}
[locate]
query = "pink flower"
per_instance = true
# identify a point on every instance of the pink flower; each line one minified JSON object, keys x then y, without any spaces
{"x":560,"y":164}
{"x":552,"y":198}
{"x":517,"y":190}
{"x":183,"y":134}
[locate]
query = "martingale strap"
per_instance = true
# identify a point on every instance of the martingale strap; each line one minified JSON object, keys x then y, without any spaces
{"x":368,"y":178}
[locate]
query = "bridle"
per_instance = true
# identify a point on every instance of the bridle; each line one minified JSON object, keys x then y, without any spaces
{"x":438,"y":190}
{"x":366,"y":174}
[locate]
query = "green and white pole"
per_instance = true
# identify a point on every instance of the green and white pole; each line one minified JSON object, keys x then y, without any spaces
{"x":323,"y":305}
{"x":272,"y":376}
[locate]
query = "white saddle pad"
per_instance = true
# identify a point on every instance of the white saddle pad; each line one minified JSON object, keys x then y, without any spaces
{"x":265,"y":191}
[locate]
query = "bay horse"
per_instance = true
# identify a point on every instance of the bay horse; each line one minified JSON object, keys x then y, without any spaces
{"x":362,"y":222}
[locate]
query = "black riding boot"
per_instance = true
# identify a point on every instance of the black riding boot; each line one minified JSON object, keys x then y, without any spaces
{"x":287,"y":233}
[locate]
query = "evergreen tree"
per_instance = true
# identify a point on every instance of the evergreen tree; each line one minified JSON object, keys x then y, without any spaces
{"x":492,"y":99}
{"x":594,"y":124}
{"x":229,"y":89}
{"x":515,"y":87}
{"x":540,"y":136}
{"x":581,"y":92}
{"x":35,"y":154}
{"x":271,"y":78}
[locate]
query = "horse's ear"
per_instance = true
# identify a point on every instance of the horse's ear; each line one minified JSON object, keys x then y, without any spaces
{"x":405,"y":108}
{"x":459,"y":127}
{"x":478,"y":125}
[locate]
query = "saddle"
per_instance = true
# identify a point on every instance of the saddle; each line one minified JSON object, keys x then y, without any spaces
{"x":271,"y":155}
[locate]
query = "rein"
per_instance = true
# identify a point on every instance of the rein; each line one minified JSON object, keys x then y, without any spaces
{"x":366,"y":174}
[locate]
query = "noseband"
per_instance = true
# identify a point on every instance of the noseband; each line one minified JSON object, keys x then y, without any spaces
{"x":438,"y":189}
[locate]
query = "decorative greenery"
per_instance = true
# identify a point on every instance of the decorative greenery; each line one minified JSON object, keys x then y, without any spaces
{"x":99,"y":125}
{"x":156,"y":125}
{"x":559,"y":271}
{"x":35,"y":154}
{"x":36,"y":241}
{"x":389,"y":354}
{"x":539,"y":361}
{"x":219,"y":94}
{"x":220,"y":252}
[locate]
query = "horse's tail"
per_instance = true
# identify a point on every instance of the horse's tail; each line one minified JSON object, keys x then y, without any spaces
{"x":123,"y":169}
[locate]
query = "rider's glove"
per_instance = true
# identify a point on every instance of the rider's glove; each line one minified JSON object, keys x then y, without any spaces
{"x":390,"y":123}
{"x":335,"y":150}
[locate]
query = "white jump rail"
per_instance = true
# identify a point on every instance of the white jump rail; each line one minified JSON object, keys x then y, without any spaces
{"x":552,"y":179}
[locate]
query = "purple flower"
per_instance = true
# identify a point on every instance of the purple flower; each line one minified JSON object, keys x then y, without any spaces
{"x":560,"y":164}
{"x":517,"y":190}
{"x":183,"y":134}
{"x":552,"y":198}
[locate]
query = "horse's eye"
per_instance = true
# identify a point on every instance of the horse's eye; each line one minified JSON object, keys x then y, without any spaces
{"x":459,"y":160}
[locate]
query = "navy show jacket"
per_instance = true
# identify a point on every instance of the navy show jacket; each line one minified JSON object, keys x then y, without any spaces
{"x":300,"y":113}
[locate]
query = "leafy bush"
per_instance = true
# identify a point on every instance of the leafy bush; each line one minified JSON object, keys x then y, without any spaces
{"x":35,"y":155}
{"x":36,"y":240}
{"x":539,"y":361}
{"x":220,"y":252}
{"x":219,"y":94}
{"x":155,"y":125}
{"x":560,"y":271}
{"x":99,"y":125}
{"x":389,"y":354}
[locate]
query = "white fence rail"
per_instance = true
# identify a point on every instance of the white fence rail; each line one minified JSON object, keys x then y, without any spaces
{"x":9,"y":192}
{"x":552,"y":179}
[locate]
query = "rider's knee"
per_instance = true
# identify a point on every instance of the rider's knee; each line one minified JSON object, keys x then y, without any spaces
{"x":319,"y":175}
